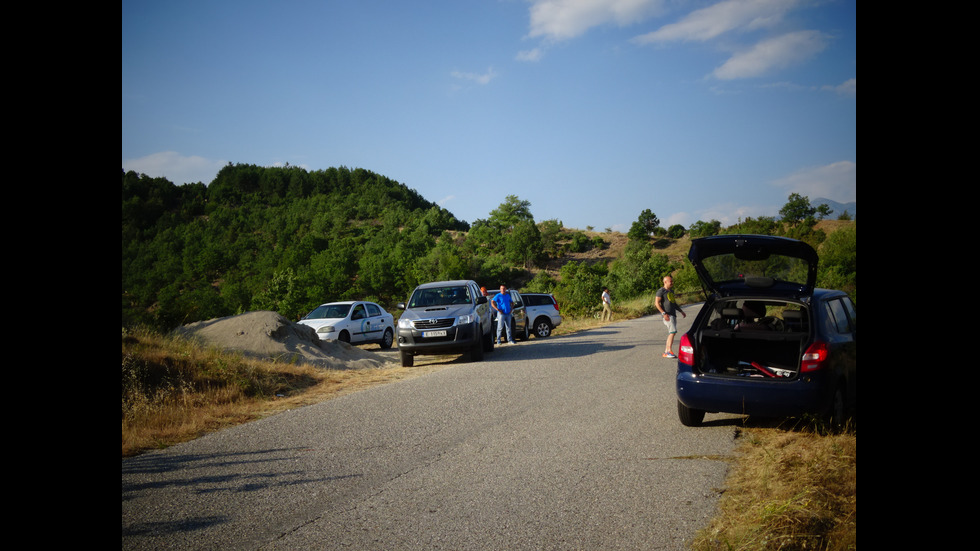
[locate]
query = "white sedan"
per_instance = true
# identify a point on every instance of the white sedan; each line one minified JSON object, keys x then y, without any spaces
{"x":355,"y":322}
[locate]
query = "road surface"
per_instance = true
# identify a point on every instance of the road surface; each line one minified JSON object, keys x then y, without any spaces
{"x":569,"y":442}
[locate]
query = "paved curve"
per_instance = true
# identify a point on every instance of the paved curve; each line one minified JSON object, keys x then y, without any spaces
{"x":570,"y":442}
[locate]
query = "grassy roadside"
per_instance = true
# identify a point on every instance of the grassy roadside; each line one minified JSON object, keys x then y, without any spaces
{"x":788,"y":487}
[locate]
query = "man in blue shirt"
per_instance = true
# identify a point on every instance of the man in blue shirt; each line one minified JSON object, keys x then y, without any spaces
{"x":504,"y":307}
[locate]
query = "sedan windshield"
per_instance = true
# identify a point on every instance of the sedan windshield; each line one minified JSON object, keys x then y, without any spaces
{"x":329,"y":311}
{"x":440,"y":296}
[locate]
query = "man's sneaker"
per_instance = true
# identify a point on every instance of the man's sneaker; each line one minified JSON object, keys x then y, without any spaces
{"x":669,"y":355}
{"x":513,"y":342}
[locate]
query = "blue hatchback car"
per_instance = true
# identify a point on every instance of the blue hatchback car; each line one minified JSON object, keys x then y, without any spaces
{"x":766,"y":343}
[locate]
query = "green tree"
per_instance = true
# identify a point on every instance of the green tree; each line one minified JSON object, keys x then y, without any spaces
{"x":838,"y":261}
{"x":523,"y":243}
{"x":675,"y":232}
{"x":704,"y":229}
{"x":443,"y":262}
{"x":645,"y":226}
{"x":579,"y":286}
{"x":639,"y":270}
{"x":280,"y":295}
{"x":510,"y":212}
{"x":551,"y":231}
{"x":797,"y":210}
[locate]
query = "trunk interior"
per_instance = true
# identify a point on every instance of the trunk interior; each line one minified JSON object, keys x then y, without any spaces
{"x":753,"y":338}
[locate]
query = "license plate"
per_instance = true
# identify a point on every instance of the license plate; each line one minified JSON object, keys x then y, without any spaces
{"x":426,"y":334}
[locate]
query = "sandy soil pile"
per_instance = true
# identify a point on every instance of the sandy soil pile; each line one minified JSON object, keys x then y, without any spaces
{"x":269,"y":336}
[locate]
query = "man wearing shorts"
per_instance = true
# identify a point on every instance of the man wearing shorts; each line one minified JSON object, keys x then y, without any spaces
{"x":668,"y":307}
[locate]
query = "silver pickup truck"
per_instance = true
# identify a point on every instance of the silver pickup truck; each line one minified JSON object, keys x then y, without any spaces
{"x":445,"y":317}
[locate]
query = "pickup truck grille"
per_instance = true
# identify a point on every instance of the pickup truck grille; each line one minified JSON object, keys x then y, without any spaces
{"x":436,"y":323}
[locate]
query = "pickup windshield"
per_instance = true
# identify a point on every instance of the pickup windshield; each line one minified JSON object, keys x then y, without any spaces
{"x":440,"y":296}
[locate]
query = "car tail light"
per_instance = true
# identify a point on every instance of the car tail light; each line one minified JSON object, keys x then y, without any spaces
{"x":686,"y":355}
{"x":556,"y":307}
{"x":815,"y":357}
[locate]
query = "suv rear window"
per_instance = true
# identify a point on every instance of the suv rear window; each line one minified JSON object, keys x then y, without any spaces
{"x":726,"y":267}
{"x":538,"y":300}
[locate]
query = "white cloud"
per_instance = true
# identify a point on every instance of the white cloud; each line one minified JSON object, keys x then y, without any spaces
{"x":713,"y":21}
{"x":836,"y":181}
{"x":530,"y":55}
{"x":848,"y":88}
{"x":175,"y":167}
{"x":744,"y":16}
{"x":557,"y":20}
{"x":484,"y":78}
{"x":774,"y":53}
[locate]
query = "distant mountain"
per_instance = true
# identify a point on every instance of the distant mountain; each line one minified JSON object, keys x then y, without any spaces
{"x":837,"y":208}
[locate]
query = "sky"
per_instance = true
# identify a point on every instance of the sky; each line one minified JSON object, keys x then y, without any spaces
{"x":590,"y":110}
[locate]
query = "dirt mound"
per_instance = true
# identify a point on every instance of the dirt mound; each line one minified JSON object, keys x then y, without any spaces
{"x":269,"y":336}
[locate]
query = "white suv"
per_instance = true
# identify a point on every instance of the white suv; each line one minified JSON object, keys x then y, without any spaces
{"x":542,"y":313}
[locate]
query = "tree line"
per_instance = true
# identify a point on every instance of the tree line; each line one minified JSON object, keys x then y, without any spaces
{"x":287,"y":239}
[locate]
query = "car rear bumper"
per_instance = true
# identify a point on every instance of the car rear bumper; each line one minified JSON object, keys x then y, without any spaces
{"x":457,"y":339}
{"x":753,"y":396}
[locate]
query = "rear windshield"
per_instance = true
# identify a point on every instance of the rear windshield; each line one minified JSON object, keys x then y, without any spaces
{"x":538,"y":300}
{"x":726,"y":267}
{"x":758,"y":315}
{"x":440,"y":296}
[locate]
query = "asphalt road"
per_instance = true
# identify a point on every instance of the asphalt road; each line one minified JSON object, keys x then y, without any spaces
{"x":570,"y":442}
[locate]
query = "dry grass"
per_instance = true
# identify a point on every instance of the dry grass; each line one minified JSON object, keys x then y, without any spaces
{"x":789,"y":490}
{"x":174,"y":390}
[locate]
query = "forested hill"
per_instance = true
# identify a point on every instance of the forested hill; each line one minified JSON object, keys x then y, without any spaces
{"x":280,"y":238}
{"x":287,"y":240}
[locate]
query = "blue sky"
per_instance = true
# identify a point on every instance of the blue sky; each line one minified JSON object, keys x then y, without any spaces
{"x":591,"y":110}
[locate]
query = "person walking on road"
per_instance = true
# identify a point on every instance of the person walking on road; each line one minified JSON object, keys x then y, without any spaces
{"x":606,"y":304}
{"x":504,"y":307}
{"x":667,"y":305}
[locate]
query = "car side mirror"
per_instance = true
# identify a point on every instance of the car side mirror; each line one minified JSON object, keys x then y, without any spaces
{"x":481,"y":300}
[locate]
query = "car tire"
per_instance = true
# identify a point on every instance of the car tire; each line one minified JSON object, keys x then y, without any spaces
{"x":542,"y":328}
{"x":476,"y":353}
{"x":518,"y":335}
{"x":344,"y":336}
{"x":408,"y":360}
{"x":387,"y":339}
{"x":836,"y":414}
{"x":689,"y":417}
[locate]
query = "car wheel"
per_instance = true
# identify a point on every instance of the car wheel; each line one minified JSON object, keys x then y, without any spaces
{"x":408,"y":360}
{"x":689,"y":417}
{"x":513,"y":331}
{"x":542,"y":328}
{"x":476,"y":353}
{"x":344,"y":336}
{"x":837,"y":411}
{"x":388,"y":338}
